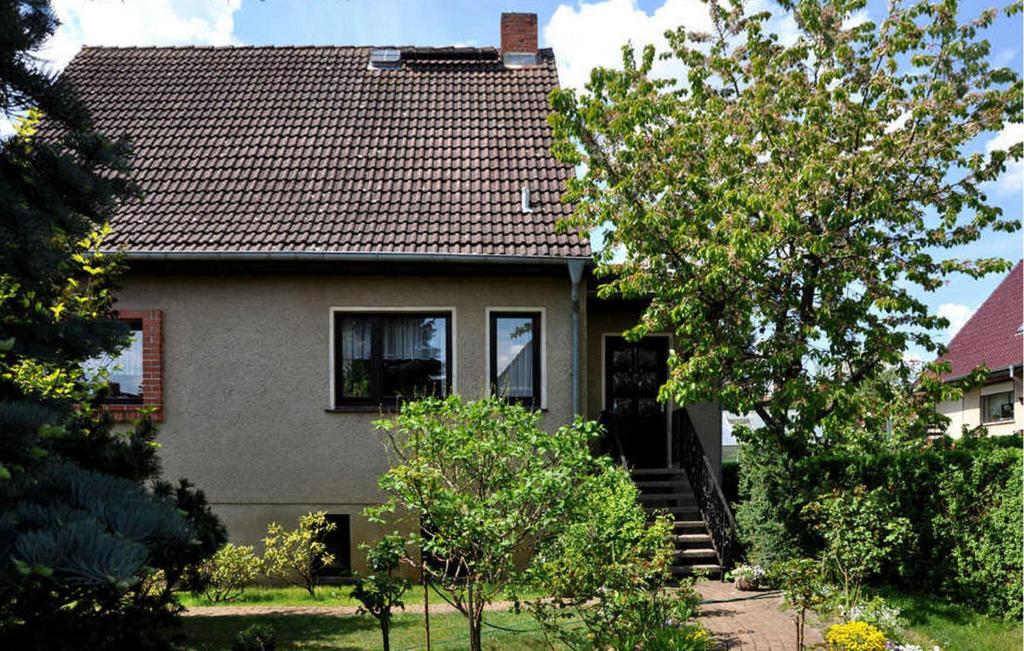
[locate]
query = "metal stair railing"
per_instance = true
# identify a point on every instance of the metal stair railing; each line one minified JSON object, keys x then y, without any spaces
{"x":688,"y":452}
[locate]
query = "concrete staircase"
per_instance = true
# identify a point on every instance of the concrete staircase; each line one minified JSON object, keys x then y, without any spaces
{"x":668,"y":490}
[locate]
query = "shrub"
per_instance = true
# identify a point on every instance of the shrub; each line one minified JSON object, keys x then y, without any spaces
{"x":876,"y":612}
{"x":860,"y":529}
{"x":381,"y":592}
{"x":228,"y":572}
{"x":298,"y":556}
{"x":854,"y":636}
{"x":258,"y":637}
{"x":605,"y":571}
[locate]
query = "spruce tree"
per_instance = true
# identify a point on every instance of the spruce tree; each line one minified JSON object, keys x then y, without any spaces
{"x":91,"y":540}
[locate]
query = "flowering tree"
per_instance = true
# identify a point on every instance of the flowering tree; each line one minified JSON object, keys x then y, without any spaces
{"x":781,"y":204}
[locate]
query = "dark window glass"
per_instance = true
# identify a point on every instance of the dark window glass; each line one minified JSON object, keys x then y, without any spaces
{"x":515,"y":357}
{"x":124,"y":371}
{"x":339,"y":543}
{"x":997,"y":406}
{"x":384,"y":357}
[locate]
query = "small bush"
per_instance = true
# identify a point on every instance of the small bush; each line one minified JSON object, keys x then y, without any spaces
{"x":258,"y":637}
{"x":225,"y":575}
{"x":298,"y":556}
{"x":381,"y":592}
{"x":855,"y":636}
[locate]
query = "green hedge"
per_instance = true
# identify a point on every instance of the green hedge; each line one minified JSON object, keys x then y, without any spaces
{"x":963,"y":498}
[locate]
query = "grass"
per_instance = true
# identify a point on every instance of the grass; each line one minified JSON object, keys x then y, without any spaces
{"x":326,"y":595}
{"x":934,"y":621}
{"x":352,"y":632}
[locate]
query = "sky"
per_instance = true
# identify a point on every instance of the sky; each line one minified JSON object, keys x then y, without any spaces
{"x":583,"y":34}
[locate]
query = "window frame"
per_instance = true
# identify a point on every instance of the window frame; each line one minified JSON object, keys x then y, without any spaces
{"x":152,"y":403}
{"x":984,"y":411}
{"x":539,"y":398}
{"x":339,"y":403}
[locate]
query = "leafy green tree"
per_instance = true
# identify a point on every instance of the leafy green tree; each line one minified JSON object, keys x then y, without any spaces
{"x":861,"y":529}
{"x":781,"y":204}
{"x":86,"y":526}
{"x":480,"y":484}
{"x":803,"y":590}
{"x":380,"y":592}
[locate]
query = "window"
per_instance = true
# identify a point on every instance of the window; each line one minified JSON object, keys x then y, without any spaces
{"x":135,"y":375}
{"x":339,"y":544}
{"x":380,"y":358}
{"x":124,"y":372}
{"x":515,"y":343}
{"x":997,"y":406}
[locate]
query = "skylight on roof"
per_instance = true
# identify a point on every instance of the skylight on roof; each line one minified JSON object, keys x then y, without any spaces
{"x":385,"y":58}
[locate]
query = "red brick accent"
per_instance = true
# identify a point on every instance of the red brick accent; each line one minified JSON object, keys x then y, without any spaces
{"x":519,"y":33}
{"x":152,"y":368}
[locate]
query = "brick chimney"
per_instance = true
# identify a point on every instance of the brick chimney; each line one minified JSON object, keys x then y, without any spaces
{"x":519,"y":39}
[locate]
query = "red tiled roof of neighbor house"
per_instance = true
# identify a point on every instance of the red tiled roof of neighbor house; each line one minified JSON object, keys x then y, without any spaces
{"x":299,"y":150}
{"x":992,"y":336}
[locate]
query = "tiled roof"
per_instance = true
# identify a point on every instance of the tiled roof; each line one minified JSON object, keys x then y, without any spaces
{"x":992,"y":336}
{"x":309,"y":150}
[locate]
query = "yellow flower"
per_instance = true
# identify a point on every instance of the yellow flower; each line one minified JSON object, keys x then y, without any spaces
{"x":855,"y":636}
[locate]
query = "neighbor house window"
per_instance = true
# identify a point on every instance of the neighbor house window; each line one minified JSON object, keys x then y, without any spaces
{"x":516,"y":356}
{"x":381,"y":358}
{"x":997,"y":406}
{"x":135,"y":375}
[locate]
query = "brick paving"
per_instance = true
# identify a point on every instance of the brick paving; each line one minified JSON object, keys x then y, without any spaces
{"x":752,"y":621}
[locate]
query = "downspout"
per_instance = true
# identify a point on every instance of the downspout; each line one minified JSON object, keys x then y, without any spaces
{"x":575,"y":276}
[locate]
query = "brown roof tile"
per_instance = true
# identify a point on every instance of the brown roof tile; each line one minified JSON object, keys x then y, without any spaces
{"x":992,"y":336}
{"x":308,"y":149}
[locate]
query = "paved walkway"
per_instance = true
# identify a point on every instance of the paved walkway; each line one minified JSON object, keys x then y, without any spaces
{"x":752,"y":621}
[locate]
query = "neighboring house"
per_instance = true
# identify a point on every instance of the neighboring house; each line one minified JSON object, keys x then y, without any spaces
{"x":327,"y":229}
{"x":993,"y":338}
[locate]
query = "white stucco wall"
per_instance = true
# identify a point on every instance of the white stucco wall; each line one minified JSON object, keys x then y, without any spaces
{"x":966,"y":412}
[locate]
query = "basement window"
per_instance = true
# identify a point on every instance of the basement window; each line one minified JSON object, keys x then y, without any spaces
{"x":339,"y":545}
{"x":997,"y":407}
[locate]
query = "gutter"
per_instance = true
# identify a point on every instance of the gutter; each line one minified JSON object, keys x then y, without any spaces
{"x":328,"y":256}
{"x":575,"y":276}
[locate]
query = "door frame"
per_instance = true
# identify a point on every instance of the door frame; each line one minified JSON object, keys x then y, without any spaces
{"x":669,"y":406}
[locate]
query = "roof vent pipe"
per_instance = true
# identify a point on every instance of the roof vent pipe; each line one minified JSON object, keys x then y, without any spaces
{"x":525,"y":197}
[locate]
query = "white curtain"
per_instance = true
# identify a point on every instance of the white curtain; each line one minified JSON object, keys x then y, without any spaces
{"x":356,"y":338}
{"x":414,"y":338}
{"x":516,"y":379}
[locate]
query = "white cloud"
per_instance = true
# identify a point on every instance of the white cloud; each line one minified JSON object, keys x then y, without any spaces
{"x":139,"y":22}
{"x":957,"y":314}
{"x":1012,"y":180}
{"x":592,"y":34}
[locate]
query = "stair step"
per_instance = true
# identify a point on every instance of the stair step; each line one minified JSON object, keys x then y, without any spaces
{"x":705,"y":552}
{"x":646,"y":472}
{"x":710,"y":568}
{"x":692,"y":538}
{"x":659,"y":483}
{"x":678,"y":510}
{"x":690,"y":524}
{"x":651,"y":497}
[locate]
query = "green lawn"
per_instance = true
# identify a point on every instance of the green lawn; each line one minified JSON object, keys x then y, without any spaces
{"x":350,"y":633}
{"x":932,"y":620}
{"x":328,"y":595}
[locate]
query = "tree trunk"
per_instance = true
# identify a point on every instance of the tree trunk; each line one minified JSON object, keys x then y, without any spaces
{"x":426,"y":605}
{"x":385,"y":632}
{"x":474,"y":620}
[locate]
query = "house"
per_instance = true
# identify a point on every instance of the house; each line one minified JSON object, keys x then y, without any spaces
{"x":993,"y":338}
{"x":326,"y":229}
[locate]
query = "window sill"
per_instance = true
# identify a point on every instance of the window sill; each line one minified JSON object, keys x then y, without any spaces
{"x":362,"y":409}
{"x":130,"y":413}
{"x":1005,"y":421}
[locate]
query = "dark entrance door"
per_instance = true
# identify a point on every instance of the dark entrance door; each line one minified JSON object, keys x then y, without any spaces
{"x":634,"y":371}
